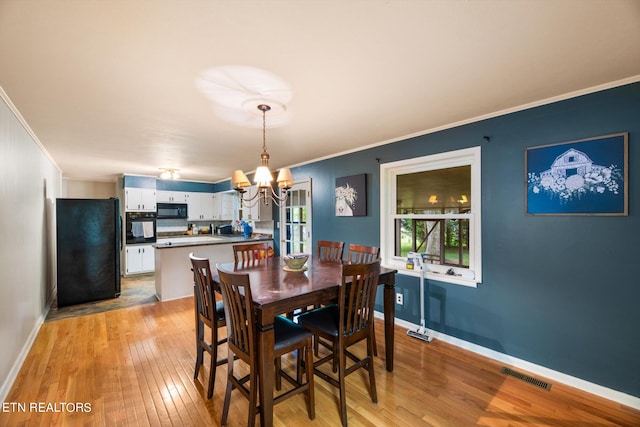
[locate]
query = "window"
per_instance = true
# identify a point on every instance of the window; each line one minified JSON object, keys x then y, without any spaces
{"x":431,"y":205}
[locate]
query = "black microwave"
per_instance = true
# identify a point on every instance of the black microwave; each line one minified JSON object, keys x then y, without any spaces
{"x":172,"y":210}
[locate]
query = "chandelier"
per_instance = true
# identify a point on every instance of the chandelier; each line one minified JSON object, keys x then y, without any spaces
{"x":263,"y":177}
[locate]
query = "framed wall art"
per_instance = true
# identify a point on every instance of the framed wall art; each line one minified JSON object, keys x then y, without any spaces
{"x":584,"y":177}
{"x":351,"y":195}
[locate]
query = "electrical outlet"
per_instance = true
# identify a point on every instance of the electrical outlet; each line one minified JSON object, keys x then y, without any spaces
{"x":399,"y":299}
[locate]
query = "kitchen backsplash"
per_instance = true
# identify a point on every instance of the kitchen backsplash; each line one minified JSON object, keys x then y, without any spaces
{"x":171,"y":225}
{"x":182,"y":225}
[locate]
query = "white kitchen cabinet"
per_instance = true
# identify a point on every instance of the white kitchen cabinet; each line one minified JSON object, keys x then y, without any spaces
{"x":223,"y":206}
{"x":200,"y":206}
{"x":139,"y":199}
{"x":259,"y":211}
{"x":163,"y":196}
{"x":140,"y":259}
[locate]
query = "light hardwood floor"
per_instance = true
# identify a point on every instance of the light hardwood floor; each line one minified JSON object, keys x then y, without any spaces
{"x":134,"y":367}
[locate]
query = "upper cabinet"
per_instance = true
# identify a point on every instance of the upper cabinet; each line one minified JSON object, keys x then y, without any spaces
{"x":163,"y":196}
{"x":200,"y":206}
{"x":223,"y":206}
{"x":139,"y":199}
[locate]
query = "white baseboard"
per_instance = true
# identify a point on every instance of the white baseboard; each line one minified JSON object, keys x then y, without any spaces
{"x":598,"y":390}
{"x":17,"y":365}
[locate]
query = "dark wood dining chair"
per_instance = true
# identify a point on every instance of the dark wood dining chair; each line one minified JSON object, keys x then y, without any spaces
{"x":359,"y":254}
{"x":242,"y":343}
{"x":330,"y":251}
{"x":209,"y":313}
{"x":251,"y":253}
{"x":345,"y":324}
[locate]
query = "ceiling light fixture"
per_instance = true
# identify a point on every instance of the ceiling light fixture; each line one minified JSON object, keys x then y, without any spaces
{"x":433,"y":199}
{"x":169,"y":173}
{"x":263,"y":177}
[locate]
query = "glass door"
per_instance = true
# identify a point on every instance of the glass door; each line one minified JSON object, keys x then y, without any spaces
{"x":295,"y":220}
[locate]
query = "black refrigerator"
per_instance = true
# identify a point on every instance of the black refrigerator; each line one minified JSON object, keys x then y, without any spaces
{"x":89,"y":236}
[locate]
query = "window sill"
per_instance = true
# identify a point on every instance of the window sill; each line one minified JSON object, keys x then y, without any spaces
{"x":439,"y":277}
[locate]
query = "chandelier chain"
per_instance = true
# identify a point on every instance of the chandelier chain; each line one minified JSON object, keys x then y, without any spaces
{"x":264,"y":108}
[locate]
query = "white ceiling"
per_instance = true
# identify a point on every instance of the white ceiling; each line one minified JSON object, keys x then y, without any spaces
{"x":109,"y":87}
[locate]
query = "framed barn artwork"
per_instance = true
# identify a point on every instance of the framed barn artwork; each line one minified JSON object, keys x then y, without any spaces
{"x":583,"y":177}
{"x":351,"y":195}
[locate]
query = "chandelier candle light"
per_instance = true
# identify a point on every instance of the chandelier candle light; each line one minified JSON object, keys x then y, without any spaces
{"x":263,"y":177}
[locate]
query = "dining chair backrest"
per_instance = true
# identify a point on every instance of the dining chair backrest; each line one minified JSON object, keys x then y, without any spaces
{"x":238,"y":309}
{"x":359,"y":254}
{"x":205,"y":298}
{"x":357,"y":297}
{"x":251,"y":253}
{"x":330,"y":251}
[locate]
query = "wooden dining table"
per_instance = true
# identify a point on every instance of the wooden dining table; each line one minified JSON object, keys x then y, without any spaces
{"x":276,"y":291}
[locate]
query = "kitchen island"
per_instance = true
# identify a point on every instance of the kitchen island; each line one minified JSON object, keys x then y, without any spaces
{"x":174,"y":278}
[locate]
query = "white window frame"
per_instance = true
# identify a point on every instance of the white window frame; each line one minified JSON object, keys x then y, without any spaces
{"x":388,"y":178}
{"x":304,"y":185}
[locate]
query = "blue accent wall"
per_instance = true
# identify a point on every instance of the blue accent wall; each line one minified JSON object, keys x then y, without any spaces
{"x":189,"y":186}
{"x":135,"y":181}
{"x":560,"y":292}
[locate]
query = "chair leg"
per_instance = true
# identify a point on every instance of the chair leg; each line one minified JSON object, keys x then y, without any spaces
{"x":212,"y":373}
{"x":199,"y":355}
{"x":341,"y":381}
{"x":300,"y":364}
{"x":372,"y":377}
{"x":253,"y":396}
{"x":375,"y":344}
{"x":227,"y":395}
{"x":214,"y":362}
{"x":199,"y":349}
{"x":278,"y":379}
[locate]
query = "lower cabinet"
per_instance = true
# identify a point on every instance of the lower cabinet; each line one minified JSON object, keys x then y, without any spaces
{"x":140,"y":259}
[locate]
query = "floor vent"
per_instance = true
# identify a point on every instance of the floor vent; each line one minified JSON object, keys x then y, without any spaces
{"x":526,"y":378}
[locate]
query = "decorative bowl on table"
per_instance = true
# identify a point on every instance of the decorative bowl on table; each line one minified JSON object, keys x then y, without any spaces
{"x":295,"y":262}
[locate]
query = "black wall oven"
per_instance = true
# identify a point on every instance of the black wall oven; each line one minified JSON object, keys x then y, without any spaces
{"x":140,"y":227}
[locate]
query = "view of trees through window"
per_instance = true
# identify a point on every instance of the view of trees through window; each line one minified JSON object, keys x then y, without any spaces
{"x":445,"y":241}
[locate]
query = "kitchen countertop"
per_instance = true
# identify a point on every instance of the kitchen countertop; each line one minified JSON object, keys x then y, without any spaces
{"x":179,"y":241}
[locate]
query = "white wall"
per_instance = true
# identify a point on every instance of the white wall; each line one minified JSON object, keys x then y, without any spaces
{"x":29,"y":184}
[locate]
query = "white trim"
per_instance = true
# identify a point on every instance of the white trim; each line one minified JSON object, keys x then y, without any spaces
{"x":589,"y":387}
{"x":534,"y":104}
{"x":302,"y":184}
{"x":26,"y":126}
{"x":24,"y":352}
{"x":388,"y":173}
